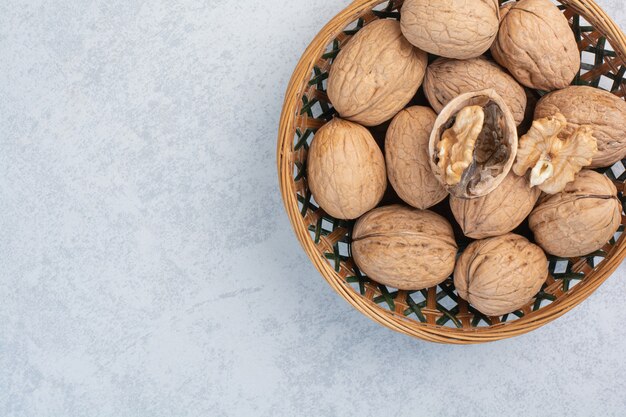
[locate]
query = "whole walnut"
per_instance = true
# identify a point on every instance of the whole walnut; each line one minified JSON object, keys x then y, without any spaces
{"x":497,"y":213}
{"x":406,"y":156}
{"x":603,"y":111}
{"x":345,"y":169}
{"x":579,"y":220}
{"x":403,"y":247}
{"x":473,"y":144}
{"x":536,"y":44}
{"x":500,"y":274}
{"x":375,"y":74}
{"x":451,"y":28}
{"x":448,"y":78}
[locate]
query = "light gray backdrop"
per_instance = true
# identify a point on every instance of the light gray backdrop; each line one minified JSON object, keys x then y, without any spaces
{"x":147,"y":267}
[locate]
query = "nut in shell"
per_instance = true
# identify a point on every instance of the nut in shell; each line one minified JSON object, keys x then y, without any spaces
{"x":473,"y":144}
{"x":451,"y":28}
{"x":500,"y":274}
{"x":375,"y":74}
{"x":406,"y":157}
{"x":554,"y":157}
{"x":602,"y":111}
{"x":498,"y":212}
{"x":345,"y":169}
{"x":403,"y":247}
{"x":579,"y":220}
{"x":447,"y":78}
{"x":536,"y":44}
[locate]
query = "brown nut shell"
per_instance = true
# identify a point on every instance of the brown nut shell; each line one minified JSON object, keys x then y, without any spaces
{"x":604,"y":112}
{"x":403,"y":247}
{"x":497,"y":213}
{"x":406,"y":157}
{"x":448,"y":78}
{"x":579,"y":220}
{"x":500,"y":274}
{"x":536,"y":44}
{"x":376,"y":74}
{"x":494,"y":149}
{"x":451,"y":28}
{"x":345,"y":169}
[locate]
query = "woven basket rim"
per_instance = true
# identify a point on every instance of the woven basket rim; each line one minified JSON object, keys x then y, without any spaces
{"x":435,"y":333}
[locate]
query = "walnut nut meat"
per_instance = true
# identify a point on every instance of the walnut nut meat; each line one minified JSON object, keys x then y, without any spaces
{"x":500,"y":274}
{"x":403,"y":247}
{"x":604,"y":112}
{"x":498,"y":212}
{"x":451,"y":28}
{"x":406,"y":157}
{"x":375,"y":74}
{"x":536,"y":44}
{"x":553,"y":156}
{"x":447,"y":78}
{"x":473,"y":144}
{"x":345,"y":169}
{"x":580,"y":219}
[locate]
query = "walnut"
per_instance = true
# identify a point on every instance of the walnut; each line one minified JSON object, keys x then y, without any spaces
{"x":406,"y":156}
{"x":500,"y":274}
{"x":447,"y":78}
{"x":403,"y":247}
{"x":451,"y":28}
{"x":579,"y":220}
{"x":345,"y":169}
{"x":473,"y":144}
{"x":553,"y":156}
{"x":376,"y":74}
{"x":498,"y":212}
{"x":536,"y":44}
{"x":603,"y":111}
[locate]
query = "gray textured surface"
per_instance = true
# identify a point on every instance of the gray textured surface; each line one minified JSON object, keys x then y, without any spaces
{"x":148,"y":268}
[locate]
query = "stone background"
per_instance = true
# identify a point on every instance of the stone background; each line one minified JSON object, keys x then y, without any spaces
{"x":147,"y":267}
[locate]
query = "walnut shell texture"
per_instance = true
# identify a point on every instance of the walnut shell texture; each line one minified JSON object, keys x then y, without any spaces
{"x":603,"y":111}
{"x":345,"y":169}
{"x":403,"y":247}
{"x":448,"y":78}
{"x":451,"y":28}
{"x":579,"y":220}
{"x":500,"y":274}
{"x":497,"y":213}
{"x":376,"y":74}
{"x":406,"y":157}
{"x":495,"y":148}
{"x":536,"y":44}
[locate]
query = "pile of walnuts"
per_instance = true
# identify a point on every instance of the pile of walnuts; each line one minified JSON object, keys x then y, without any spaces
{"x":486,"y":144}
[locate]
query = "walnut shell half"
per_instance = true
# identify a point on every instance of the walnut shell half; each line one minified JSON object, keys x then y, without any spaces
{"x":473,"y":144}
{"x":536,"y":44}
{"x":403,"y":247}
{"x":603,"y":111}
{"x":376,"y":74}
{"x":406,"y":156}
{"x":345,"y":169}
{"x":500,"y":274}
{"x":579,"y":220}
{"x":447,"y":78}
{"x":498,"y":212}
{"x":451,"y":28}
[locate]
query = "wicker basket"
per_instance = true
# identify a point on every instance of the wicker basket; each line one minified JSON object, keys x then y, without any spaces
{"x":436,"y":314}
